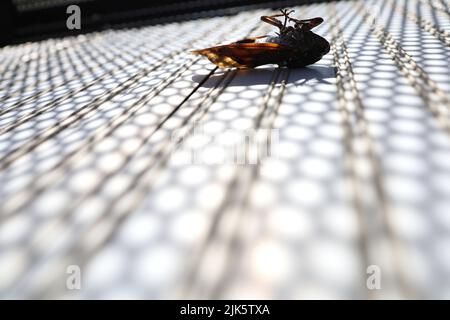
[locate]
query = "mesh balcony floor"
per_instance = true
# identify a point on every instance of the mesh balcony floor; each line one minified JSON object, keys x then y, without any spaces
{"x":91,"y":175}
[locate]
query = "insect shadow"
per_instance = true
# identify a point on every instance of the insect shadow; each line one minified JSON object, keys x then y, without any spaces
{"x":250,"y":77}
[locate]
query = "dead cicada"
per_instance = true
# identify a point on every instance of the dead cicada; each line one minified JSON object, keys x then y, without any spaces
{"x":293,"y":46}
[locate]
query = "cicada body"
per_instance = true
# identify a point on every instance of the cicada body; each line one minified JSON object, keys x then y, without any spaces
{"x":294,"y":46}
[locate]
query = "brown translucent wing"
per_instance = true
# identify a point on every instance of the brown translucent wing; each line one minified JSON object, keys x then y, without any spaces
{"x":246,"y":55}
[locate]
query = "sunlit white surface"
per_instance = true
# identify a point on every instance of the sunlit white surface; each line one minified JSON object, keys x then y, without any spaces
{"x":118,"y":194}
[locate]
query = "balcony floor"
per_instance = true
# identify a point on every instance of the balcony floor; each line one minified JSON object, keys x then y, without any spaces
{"x":95,"y":133}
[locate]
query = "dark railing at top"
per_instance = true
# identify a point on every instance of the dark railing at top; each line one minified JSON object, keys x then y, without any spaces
{"x":24,"y":20}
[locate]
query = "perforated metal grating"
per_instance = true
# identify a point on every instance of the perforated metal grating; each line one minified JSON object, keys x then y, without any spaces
{"x":90,"y":173}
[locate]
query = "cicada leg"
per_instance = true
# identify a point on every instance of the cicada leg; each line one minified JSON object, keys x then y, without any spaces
{"x":273,"y":21}
{"x":277,"y":23}
{"x":307,"y":24}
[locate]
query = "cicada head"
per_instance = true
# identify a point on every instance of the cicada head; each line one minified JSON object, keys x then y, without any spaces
{"x":323,"y":45}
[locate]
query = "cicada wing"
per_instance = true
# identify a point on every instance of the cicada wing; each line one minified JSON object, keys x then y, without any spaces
{"x":246,"y":55}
